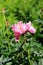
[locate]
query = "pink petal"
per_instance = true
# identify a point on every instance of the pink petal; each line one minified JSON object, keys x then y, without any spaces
{"x":17,"y":35}
{"x":32,"y":30}
{"x":28,"y":25}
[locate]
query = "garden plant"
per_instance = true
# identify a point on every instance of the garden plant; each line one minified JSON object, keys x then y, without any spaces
{"x":21,"y":32}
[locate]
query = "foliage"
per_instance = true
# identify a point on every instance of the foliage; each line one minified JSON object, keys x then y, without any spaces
{"x":11,"y":52}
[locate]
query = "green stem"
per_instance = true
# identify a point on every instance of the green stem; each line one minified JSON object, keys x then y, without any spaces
{"x":7,"y":31}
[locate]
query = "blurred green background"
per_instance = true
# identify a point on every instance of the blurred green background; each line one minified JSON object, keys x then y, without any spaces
{"x":12,"y":11}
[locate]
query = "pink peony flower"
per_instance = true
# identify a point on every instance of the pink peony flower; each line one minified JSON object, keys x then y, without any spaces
{"x":21,"y":28}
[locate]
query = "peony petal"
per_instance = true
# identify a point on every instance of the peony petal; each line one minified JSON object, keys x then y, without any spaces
{"x":32,"y":30}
